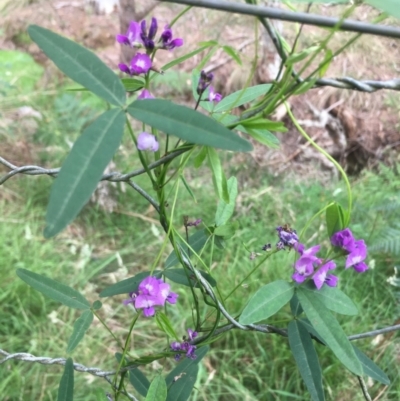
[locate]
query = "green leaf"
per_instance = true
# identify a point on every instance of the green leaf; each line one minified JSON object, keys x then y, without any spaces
{"x":179,"y":276}
{"x":297,"y":57}
{"x":185,"y":183}
{"x":241,"y":97}
{"x":182,"y":387}
{"x":196,"y":241}
{"x":186,"y":56}
{"x":306,"y":359}
{"x":81,"y":325}
{"x":227,"y":230}
{"x":329,"y":329}
{"x":370,"y":368}
{"x":187,"y":124}
{"x":128,"y":285}
{"x":230,"y":51}
{"x":334,"y":299}
{"x":186,"y":364}
{"x":218,"y":175}
{"x":326,"y":62}
{"x":295,"y":306}
{"x":225,"y":118}
{"x":267,"y":301}
{"x":139,"y":381}
{"x":80,"y":64}
{"x":389,"y":6}
{"x":132,"y":84}
{"x":54,"y":290}
{"x":66,"y":387}
{"x":264,"y":124}
{"x":200,"y":157}
{"x":334,"y":221}
{"x":97,"y":305}
{"x":82,"y":170}
{"x":225,"y":209}
{"x":157,"y":390}
{"x":263,"y":136}
{"x":165,"y":325}
{"x":305,"y":86}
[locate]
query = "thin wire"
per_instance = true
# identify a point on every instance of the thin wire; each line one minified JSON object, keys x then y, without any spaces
{"x":302,"y":18}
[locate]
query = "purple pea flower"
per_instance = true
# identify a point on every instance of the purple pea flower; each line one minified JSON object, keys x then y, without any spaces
{"x":146,"y":141}
{"x":140,"y":64}
{"x":356,"y":249}
{"x":321,"y":276}
{"x":214,"y":96}
{"x":151,"y":292}
{"x":185,"y":346}
{"x":132,"y":37}
{"x":145,"y":94}
{"x":148,"y":37}
{"x":304,"y":266}
{"x":166,"y":39}
{"x":204,"y":81}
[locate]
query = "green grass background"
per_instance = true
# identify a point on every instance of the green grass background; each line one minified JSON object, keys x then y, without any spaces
{"x":100,"y":248}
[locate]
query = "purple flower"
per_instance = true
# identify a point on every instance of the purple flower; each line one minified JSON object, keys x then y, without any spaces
{"x":214,"y":96}
{"x":356,"y":249}
{"x":148,"y":37}
{"x":343,"y":239}
{"x":166,"y":39}
{"x":140,"y":64}
{"x":287,"y":237}
{"x":151,"y":292}
{"x":145,"y":94}
{"x":304,"y":266}
{"x":185,"y":346}
{"x":321,"y":276}
{"x":146,"y":141}
{"x":194,"y":223}
{"x":132,"y":37}
{"x":204,"y":81}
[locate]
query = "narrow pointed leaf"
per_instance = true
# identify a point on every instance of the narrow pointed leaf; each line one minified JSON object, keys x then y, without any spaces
{"x":295,"y":306}
{"x":196,"y":241}
{"x":230,"y":51}
{"x":139,"y":381}
{"x":128,"y":285}
{"x":81,"y":326}
{"x":267,"y":301}
{"x":82,"y":170}
{"x":157,"y":390}
{"x":54,"y":290}
{"x":334,"y":299}
{"x":306,"y":359}
{"x":218,"y":175}
{"x":182,"y":387}
{"x":225,"y":209}
{"x":186,"y":364}
{"x":165,"y":325}
{"x":241,"y":97}
{"x":329,"y":329}
{"x":80,"y":64}
{"x":186,"y":124}
{"x":66,"y":387}
{"x":370,"y":368}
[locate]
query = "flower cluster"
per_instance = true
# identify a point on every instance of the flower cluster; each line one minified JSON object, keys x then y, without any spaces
{"x":356,"y":250}
{"x":204,"y":83}
{"x":310,"y":266}
{"x":139,"y":36}
{"x":151,"y":292}
{"x":287,"y":237}
{"x":185,"y":346}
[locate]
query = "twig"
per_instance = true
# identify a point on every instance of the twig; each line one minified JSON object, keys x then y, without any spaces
{"x":374,"y":332}
{"x":303,"y":18}
{"x":364,"y":388}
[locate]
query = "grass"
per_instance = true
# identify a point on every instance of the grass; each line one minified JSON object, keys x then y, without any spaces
{"x":101,"y":248}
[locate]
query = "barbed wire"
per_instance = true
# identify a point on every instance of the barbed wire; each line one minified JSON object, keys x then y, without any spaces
{"x":25,"y":357}
{"x":291,"y":16}
{"x":114,"y":176}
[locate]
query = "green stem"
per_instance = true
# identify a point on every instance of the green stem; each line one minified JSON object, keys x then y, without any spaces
{"x":328,"y":156}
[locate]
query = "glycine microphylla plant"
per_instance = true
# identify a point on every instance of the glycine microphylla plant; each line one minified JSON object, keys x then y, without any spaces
{"x":167,"y":137}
